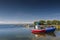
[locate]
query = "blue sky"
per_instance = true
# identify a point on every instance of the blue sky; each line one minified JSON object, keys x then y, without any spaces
{"x":20,"y":11}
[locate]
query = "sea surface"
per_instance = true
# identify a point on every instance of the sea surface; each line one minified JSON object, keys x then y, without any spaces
{"x":15,"y":32}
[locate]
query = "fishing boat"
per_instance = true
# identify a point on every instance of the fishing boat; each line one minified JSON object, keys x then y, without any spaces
{"x":46,"y":30}
{"x":40,"y":29}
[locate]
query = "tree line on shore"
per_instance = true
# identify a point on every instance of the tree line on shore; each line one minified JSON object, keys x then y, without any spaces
{"x":48,"y":22}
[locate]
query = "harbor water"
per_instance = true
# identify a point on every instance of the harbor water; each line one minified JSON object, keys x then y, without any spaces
{"x":13,"y":32}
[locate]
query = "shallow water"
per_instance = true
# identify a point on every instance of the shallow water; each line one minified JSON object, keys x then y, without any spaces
{"x":10,"y":32}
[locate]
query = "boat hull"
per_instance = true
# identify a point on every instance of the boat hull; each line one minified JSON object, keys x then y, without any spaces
{"x":47,"y":30}
{"x":38,"y":31}
{"x":50,"y":30}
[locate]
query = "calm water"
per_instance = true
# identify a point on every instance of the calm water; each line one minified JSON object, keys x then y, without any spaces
{"x":13,"y":32}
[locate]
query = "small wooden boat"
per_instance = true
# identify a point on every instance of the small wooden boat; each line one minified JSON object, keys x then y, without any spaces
{"x":46,"y":30}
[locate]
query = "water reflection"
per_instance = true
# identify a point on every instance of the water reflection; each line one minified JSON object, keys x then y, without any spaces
{"x":44,"y":34}
{"x":40,"y":35}
{"x":51,"y":34}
